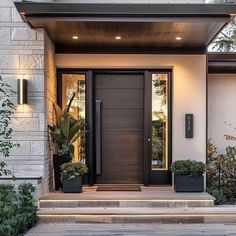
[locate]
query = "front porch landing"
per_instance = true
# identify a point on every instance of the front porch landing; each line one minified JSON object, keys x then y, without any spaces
{"x":148,"y":197}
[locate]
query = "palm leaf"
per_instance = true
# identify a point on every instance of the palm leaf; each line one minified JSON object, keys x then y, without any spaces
{"x":64,"y":125}
{"x":74,"y":130}
{"x":71,"y":150}
{"x":51,"y":128}
{"x":58,"y":111}
{"x":58,"y":139}
{"x":79,"y":134}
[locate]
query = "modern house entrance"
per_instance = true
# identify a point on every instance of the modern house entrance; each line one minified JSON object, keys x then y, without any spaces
{"x":131,"y":116}
{"x":121,"y":60}
{"x":137,"y":70}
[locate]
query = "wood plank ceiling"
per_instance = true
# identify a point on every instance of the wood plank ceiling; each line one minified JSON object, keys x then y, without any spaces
{"x":134,"y":35}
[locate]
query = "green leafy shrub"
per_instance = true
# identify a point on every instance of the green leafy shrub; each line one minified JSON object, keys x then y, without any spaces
{"x":26,"y":194}
{"x":220,"y":169}
{"x":222,"y":196}
{"x":228,"y":162}
{"x":7,"y":193}
{"x":7,"y":197}
{"x":213,"y":161}
{"x":72,"y":169}
{"x":17,"y":209}
{"x":188,"y":167}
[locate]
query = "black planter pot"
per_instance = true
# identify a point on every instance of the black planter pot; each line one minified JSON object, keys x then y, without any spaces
{"x":57,"y":162}
{"x":186,"y":183}
{"x":72,"y":185}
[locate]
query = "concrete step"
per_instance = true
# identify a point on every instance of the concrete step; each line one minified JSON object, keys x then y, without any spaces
{"x":138,"y":215}
{"x":73,"y":203}
{"x":132,"y":230}
{"x":148,"y":197}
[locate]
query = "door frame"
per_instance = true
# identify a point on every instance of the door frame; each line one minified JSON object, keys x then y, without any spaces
{"x":89,"y":149}
{"x":125,"y":71}
{"x":90,"y":101}
{"x":157,"y":177}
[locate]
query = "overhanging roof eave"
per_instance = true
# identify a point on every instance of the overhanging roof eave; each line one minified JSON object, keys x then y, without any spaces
{"x":40,"y":15}
{"x":168,"y":10}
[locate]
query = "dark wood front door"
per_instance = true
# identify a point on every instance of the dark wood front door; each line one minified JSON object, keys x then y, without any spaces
{"x":121,"y":127}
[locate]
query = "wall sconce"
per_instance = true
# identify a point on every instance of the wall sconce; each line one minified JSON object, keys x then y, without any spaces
{"x":22,"y":90}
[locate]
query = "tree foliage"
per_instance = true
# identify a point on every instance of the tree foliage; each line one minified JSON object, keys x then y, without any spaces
{"x":225,"y":41}
{"x":6,"y":111}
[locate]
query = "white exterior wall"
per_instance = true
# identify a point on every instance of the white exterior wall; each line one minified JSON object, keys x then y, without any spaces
{"x":189,"y":91}
{"x":22,"y":55}
{"x":221,"y":109}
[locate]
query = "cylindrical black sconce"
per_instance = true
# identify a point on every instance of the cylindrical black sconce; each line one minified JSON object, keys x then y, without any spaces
{"x":22,"y":88}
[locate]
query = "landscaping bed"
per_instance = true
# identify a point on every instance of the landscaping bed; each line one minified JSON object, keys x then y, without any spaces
{"x":17,"y":209}
{"x":221,"y":174}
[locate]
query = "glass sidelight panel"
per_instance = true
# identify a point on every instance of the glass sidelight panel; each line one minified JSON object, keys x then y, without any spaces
{"x":75,"y":83}
{"x":160,"y":121}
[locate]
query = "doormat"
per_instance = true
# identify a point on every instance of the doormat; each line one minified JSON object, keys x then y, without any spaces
{"x":119,"y":188}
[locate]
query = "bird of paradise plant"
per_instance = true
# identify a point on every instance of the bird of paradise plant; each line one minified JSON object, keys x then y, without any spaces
{"x":66,"y":130}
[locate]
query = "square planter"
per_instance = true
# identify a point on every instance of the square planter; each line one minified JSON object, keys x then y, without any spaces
{"x":187,"y":183}
{"x":72,"y":185}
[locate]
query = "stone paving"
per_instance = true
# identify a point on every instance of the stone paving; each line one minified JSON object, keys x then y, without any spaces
{"x":133,"y":229}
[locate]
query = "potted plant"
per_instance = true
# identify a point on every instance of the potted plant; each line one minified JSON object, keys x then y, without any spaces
{"x":71,"y":176}
{"x":64,"y":133}
{"x":188,"y":175}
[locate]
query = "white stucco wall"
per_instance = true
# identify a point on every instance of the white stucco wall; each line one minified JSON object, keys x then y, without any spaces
{"x":221,"y":109}
{"x":189,"y":91}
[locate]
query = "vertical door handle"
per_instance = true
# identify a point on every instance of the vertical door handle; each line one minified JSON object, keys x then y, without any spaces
{"x":98,"y":136}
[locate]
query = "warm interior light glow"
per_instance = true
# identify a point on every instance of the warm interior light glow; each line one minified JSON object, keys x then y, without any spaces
{"x":125,"y":200}
{"x":161,"y":215}
{"x":75,"y":37}
{"x":118,"y":37}
{"x":75,"y":83}
{"x":178,"y":38}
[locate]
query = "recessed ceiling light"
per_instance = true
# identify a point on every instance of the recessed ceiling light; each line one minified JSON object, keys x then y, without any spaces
{"x":178,"y":38}
{"x":75,"y":37}
{"x":118,"y":37}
